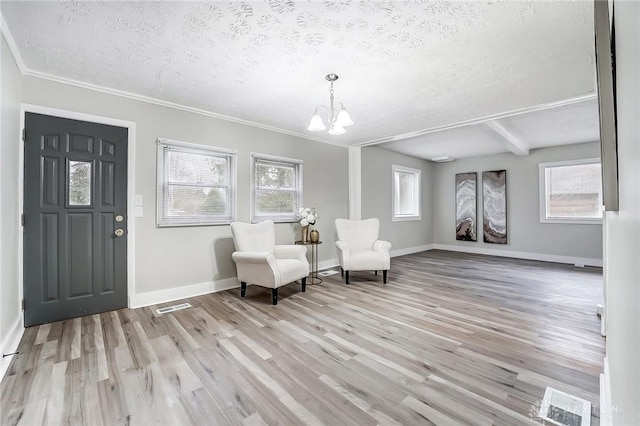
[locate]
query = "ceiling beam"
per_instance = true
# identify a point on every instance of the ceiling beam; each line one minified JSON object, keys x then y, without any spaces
{"x":542,"y":107}
{"x":511,"y":142}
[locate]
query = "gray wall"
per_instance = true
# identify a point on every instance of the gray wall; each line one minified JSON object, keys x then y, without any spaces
{"x":525,"y":232}
{"x":11,"y":90}
{"x":622,"y":241}
{"x":377,"y":198}
{"x":170,"y":258}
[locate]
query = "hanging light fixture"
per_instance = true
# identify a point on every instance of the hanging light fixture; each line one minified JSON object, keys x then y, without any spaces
{"x":337,"y":120}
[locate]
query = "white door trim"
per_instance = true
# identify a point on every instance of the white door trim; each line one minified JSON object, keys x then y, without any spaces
{"x":131,"y":161}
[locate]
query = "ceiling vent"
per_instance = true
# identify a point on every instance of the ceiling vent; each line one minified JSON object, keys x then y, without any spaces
{"x":560,"y":408}
{"x":443,"y":159}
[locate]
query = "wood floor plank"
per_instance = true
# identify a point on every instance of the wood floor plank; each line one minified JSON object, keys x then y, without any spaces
{"x":452,"y":338}
{"x":55,"y":401}
{"x":359,"y":401}
{"x":227,"y":392}
{"x":112,"y":400}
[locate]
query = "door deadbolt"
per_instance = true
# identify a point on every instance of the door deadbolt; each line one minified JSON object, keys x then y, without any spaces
{"x":119,"y":232}
{"x":119,"y":218}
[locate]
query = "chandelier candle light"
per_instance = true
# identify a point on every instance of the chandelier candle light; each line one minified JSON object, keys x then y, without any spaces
{"x":337,"y":120}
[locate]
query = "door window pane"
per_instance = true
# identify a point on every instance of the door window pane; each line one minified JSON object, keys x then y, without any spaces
{"x":79,"y":181}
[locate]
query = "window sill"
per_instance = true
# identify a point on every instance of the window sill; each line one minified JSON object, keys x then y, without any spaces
{"x":274,"y":219}
{"x":181,"y":225}
{"x":570,"y":221}
{"x":406,"y":218}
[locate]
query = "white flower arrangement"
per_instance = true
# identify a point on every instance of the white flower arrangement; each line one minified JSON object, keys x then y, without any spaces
{"x":307,"y":216}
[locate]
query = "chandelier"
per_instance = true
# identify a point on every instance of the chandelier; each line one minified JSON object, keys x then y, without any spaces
{"x":337,"y":119}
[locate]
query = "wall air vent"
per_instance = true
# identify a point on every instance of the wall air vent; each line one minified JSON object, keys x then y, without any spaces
{"x":560,"y":408}
{"x":443,"y":159}
{"x":172,"y":308}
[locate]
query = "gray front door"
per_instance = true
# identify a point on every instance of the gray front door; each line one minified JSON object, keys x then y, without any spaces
{"x":75,"y":218}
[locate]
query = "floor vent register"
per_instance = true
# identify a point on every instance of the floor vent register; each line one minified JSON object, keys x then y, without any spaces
{"x":560,"y":408}
{"x":172,"y":308}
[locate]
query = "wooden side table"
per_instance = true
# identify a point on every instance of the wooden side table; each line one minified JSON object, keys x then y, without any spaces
{"x":313,"y":275}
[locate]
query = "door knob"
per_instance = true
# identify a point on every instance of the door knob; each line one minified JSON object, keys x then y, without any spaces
{"x":119,"y":232}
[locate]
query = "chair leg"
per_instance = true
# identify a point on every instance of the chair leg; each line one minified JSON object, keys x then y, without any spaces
{"x":341,"y":272}
{"x":304,"y":284}
{"x":375,"y":272}
{"x":384,"y":276}
{"x":243,"y":289}
{"x":346,"y":277}
{"x":274,"y":296}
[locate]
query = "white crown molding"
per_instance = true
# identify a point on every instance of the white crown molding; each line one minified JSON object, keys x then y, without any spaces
{"x":160,"y":102}
{"x":484,"y":119}
{"x":25,"y":71}
{"x":13,"y":48}
{"x":46,"y":76}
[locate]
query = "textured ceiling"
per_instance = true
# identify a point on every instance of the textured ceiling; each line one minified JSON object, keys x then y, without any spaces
{"x":562,"y":125}
{"x":404,"y":66}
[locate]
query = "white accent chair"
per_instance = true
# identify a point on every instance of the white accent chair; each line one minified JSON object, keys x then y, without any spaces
{"x":359,"y":248}
{"x":261,"y":262}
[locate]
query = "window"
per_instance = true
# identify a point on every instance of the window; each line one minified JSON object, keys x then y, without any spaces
{"x":406,"y":193}
{"x":195,"y":184}
{"x":276,"y":191}
{"x":571,"y":191}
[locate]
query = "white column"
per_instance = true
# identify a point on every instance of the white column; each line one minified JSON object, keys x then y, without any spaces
{"x":355,"y":183}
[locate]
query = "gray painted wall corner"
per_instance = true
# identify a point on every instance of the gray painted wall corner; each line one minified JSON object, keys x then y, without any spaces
{"x":377,"y":202}
{"x":525,"y":232}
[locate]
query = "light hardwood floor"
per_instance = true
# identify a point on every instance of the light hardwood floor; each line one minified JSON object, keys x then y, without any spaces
{"x":451,"y":339}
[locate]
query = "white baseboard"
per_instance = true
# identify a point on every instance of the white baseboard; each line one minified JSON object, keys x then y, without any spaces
{"x":10,"y":344}
{"x":410,"y":250}
{"x":522,"y":255}
{"x":606,"y":410}
{"x":162,"y":296}
{"x":326,"y":264}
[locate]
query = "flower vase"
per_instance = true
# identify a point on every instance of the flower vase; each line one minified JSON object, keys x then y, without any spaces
{"x":314,"y":236}
{"x":305,"y":234}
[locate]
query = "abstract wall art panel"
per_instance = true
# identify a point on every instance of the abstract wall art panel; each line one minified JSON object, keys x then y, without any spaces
{"x":466,"y":219}
{"x":494,"y":199}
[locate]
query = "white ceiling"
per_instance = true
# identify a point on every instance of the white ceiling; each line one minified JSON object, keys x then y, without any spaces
{"x":519,"y":133}
{"x":406,"y":68}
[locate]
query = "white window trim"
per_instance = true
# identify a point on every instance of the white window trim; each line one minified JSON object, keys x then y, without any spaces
{"x":298,"y":164}
{"x":231,"y":154}
{"x":403,"y":218}
{"x":542,"y":186}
